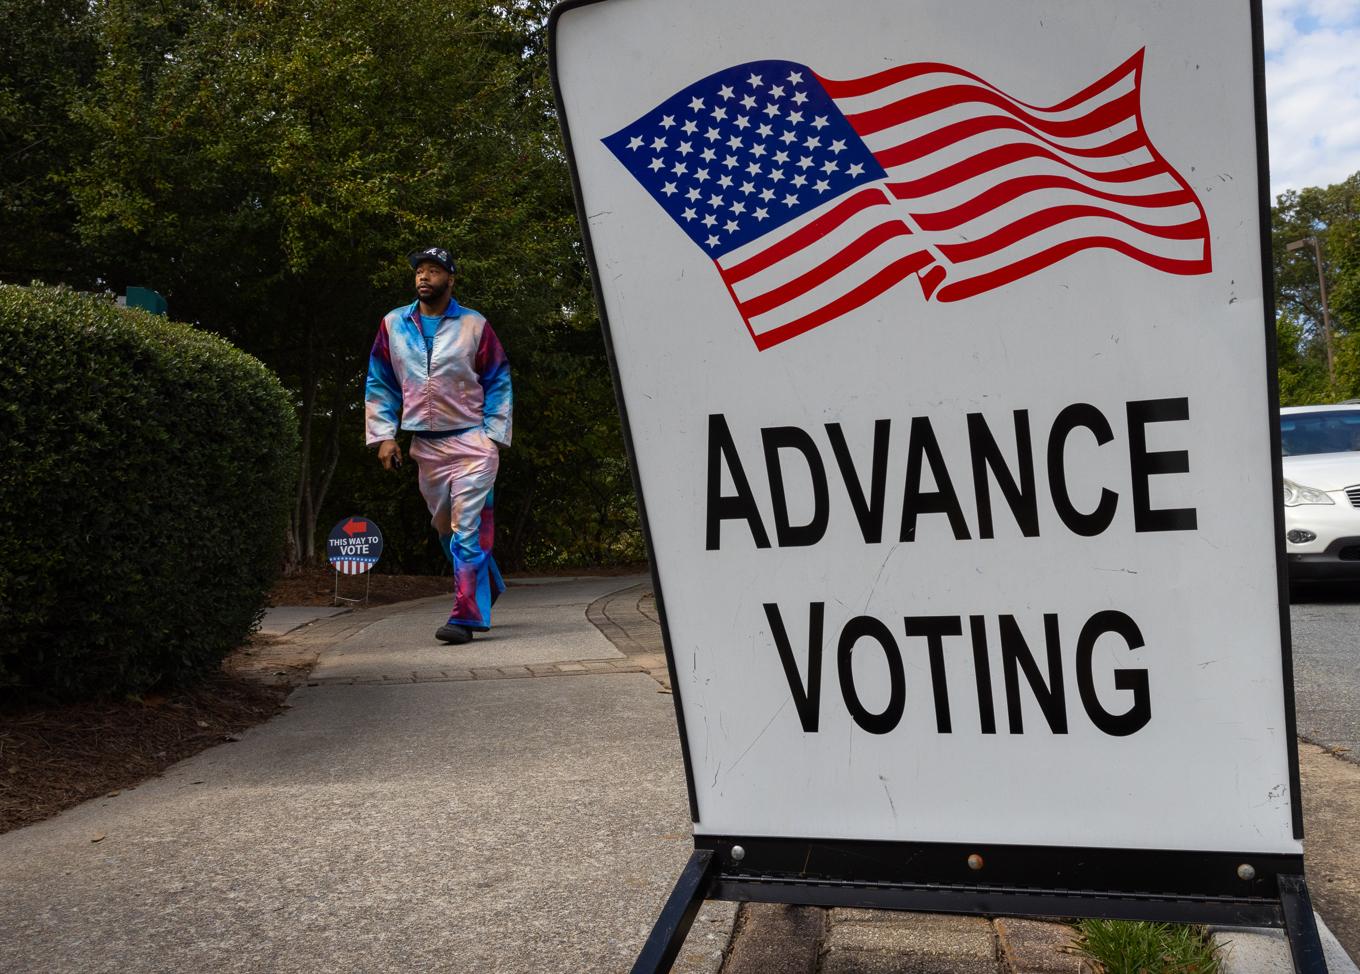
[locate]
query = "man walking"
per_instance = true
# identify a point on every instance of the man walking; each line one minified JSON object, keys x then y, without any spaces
{"x":438,"y":370}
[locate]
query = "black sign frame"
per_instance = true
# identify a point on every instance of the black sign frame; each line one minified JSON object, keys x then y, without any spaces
{"x":1232,"y":889}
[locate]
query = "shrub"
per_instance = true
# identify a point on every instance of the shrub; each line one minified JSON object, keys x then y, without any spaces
{"x":144,"y":490}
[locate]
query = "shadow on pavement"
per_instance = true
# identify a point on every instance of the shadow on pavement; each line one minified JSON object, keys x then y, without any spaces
{"x":1345,"y":591}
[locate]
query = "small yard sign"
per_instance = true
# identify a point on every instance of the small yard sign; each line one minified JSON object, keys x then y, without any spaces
{"x":355,"y":545}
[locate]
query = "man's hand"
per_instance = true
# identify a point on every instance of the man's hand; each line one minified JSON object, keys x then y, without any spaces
{"x":389,"y":454}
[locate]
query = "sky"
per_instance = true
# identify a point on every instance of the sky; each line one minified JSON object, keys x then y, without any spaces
{"x":1312,"y":91}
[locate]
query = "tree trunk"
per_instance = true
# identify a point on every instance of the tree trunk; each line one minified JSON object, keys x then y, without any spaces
{"x":317,"y":498}
{"x":332,"y":459}
{"x":516,"y":552}
{"x":303,"y":523}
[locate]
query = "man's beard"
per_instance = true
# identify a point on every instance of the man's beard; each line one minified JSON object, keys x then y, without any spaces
{"x":432,"y":295}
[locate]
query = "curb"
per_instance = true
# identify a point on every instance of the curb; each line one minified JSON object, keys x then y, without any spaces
{"x":1258,"y":950}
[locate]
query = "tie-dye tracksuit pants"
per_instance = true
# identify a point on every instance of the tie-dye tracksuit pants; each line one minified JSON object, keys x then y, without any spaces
{"x":457,"y":477}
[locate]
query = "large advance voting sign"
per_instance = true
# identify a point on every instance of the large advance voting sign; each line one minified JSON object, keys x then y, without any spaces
{"x":943,"y":337}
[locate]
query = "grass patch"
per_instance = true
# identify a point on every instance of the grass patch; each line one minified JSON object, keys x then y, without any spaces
{"x":1126,"y":947}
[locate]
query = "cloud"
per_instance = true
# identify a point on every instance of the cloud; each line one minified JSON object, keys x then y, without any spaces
{"x":1312,"y":91}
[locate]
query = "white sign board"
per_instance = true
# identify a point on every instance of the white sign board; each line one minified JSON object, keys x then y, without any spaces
{"x":941,"y":335}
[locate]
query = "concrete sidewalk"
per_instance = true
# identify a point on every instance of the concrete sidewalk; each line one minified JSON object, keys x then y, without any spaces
{"x":284,"y":619}
{"x":471,"y":824}
{"x":515,"y":805}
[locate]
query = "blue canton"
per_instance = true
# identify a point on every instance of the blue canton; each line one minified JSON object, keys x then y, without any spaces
{"x":743,"y":152}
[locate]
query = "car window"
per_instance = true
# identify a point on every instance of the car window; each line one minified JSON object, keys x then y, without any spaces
{"x":1334,"y":431}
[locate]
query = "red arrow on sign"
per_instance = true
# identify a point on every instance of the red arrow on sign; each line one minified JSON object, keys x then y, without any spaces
{"x":355,"y":527}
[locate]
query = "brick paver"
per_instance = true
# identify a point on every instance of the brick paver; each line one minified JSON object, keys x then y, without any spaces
{"x":776,"y":939}
{"x":1037,"y":947}
{"x":920,"y":943}
{"x":595,"y":667}
{"x":626,"y":618}
{"x":855,"y":941}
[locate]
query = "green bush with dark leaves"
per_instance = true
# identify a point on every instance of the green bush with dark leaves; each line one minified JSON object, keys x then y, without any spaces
{"x":145,"y":482}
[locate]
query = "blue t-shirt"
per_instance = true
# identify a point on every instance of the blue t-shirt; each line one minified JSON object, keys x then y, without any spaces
{"x":429,"y":324}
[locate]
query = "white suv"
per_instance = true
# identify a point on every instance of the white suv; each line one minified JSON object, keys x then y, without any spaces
{"x":1321,"y":460}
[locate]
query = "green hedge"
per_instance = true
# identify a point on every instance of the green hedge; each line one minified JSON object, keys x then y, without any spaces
{"x":145,"y":481}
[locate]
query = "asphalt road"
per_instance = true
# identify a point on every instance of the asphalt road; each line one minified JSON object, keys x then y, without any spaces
{"x":1326,"y":625}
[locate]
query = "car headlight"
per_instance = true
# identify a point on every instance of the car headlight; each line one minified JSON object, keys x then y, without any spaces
{"x":1297,"y":494}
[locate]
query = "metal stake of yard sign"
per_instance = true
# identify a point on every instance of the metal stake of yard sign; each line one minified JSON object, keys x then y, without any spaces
{"x":810,"y":280}
{"x":338,"y":598}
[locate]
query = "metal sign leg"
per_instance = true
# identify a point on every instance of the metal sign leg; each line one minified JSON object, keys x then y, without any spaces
{"x":1300,"y":926}
{"x":337,"y":598}
{"x":667,"y":937}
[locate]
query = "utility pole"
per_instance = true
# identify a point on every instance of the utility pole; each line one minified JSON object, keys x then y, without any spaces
{"x":1322,"y":288}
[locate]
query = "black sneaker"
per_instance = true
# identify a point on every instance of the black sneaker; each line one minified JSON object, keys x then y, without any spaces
{"x":451,"y":633}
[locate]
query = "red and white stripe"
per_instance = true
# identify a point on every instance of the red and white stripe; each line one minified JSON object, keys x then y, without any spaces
{"x":981,"y":190}
{"x":350,"y":567}
{"x":829,"y":261}
{"x":1001,"y":189}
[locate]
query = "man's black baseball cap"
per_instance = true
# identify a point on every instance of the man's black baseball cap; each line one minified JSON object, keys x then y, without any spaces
{"x":437,"y":254}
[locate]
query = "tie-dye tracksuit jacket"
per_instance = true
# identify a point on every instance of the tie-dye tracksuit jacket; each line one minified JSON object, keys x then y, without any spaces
{"x":460,"y":388}
{"x":464,"y":382}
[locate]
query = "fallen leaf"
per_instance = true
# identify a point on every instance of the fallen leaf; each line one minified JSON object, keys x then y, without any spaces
{"x":114,"y":794}
{"x":230,"y":738}
{"x":99,"y":838}
{"x":201,"y":723}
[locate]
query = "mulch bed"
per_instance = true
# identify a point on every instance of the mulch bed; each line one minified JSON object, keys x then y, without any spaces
{"x":55,"y":756}
{"x":317,"y":587}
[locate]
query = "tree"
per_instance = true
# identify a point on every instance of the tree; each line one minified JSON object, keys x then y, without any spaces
{"x":265,"y":164}
{"x":47,"y":62}
{"x":1332,"y":214}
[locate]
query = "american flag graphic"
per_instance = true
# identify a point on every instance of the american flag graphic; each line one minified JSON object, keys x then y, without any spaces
{"x":813,"y":196}
{"x":353,"y":566}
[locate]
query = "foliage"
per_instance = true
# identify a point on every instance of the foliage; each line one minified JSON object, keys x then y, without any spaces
{"x":1129,"y":947}
{"x":47,"y":61}
{"x":144,"y":498}
{"x":1332,"y":215}
{"x":265,"y":165}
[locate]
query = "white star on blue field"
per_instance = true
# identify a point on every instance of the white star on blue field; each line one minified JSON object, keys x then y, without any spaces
{"x":743,"y":151}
